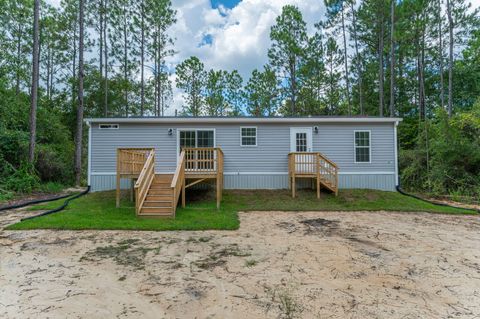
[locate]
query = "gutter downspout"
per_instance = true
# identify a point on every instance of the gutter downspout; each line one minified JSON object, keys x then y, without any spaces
{"x":395,"y":141}
{"x":89,"y":169}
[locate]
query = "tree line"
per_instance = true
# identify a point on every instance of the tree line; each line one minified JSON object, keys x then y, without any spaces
{"x":416,"y":59}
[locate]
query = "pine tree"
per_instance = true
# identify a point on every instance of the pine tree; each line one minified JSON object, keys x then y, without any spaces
{"x":35,"y":76}
{"x":191,"y":79}
{"x":289,"y":39}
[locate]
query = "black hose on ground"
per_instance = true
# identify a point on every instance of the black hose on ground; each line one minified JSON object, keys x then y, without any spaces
{"x":65,"y":204}
{"x":401,"y":191}
{"x":37,"y":201}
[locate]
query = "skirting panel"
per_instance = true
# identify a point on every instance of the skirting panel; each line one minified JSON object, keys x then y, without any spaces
{"x":374,"y":181}
{"x":100,"y":183}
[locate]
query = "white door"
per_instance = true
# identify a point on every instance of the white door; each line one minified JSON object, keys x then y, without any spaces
{"x":301,"y":139}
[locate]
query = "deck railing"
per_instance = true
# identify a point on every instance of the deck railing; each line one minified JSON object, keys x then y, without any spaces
{"x":206,"y":160}
{"x":314,"y":165}
{"x":144,"y":181}
{"x":130,"y":161}
{"x":178,"y":182}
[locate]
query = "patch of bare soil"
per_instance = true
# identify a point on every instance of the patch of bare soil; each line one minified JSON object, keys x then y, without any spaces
{"x":278,"y":265}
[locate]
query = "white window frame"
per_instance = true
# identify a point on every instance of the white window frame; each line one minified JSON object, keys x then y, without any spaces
{"x":369,"y":146}
{"x":241,"y":136}
{"x":178,"y":130}
{"x":108,"y":126}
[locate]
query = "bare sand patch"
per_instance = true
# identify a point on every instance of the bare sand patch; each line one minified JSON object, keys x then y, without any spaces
{"x":277,"y":265}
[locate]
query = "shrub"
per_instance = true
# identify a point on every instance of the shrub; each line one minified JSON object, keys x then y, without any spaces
{"x":23,"y":179}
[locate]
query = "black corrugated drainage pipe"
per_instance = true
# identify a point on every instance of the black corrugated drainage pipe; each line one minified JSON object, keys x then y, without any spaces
{"x":65,"y":204}
{"x":37,"y":201}
{"x":401,"y":191}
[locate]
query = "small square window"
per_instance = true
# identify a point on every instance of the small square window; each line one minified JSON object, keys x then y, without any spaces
{"x":248,"y":136}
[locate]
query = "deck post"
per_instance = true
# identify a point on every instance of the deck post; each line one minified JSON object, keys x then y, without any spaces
{"x":318,"y":176}
{"x":183,"y":193}
{"x":117,"y":197}
{"x":218,"y":192}
{"x":293,"y":185}
{"x":132,"y":183}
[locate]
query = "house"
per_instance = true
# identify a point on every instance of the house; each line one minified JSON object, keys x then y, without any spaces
{"x":239,"y":153}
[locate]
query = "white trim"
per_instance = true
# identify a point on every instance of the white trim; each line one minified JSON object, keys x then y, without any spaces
{"x":258,"y":173}
{"x":89,"y":156}
{"x":294,"y":130}
{"x":286,"y":173}
{"x":369,"y":147}
{"x":256,"y":136}
{"x":171,"y":120}
{"x":110,"y":126}
{"x":395,"y":143}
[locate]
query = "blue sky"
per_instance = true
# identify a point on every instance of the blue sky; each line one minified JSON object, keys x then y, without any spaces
{"x":226,"y":3}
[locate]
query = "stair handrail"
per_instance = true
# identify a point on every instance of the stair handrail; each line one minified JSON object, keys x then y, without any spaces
{"x":329,"y":172}
{"x":325,"y":168}
{"x":144,"y":181}
{"x":178,"y":181}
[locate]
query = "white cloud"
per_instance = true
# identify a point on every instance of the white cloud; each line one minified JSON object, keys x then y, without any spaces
{"x":240,"y":36}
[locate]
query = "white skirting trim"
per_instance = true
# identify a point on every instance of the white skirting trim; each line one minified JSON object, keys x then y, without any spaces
{"x":260,"y":173}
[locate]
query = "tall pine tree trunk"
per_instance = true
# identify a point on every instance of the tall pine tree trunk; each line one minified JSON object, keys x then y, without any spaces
{"x":35,"y":74}
{"x":100,"y":56}
{"x":380,"y":65}
{"x":392,"y":59}
{"x":125,"y":59}
{"x":142,"y":58}
{"x":359,"y":62}
{"x":100,"y":29}
{"x":450,"y":58}
{"x":79,"y":131}
{"x":105,"y":87}
{"x":421,"y":94}
{"x":347,"y":82}
{"x":440,"y":54}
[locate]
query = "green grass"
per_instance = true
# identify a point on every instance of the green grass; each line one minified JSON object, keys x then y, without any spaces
{"x":97,"y":210}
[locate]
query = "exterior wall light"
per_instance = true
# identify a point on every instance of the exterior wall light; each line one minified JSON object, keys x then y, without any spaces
{"x":315,"y":129}
{"x":170,"y":131}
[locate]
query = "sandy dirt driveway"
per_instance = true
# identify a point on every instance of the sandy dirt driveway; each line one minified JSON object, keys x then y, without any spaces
{"x":277,"y":265}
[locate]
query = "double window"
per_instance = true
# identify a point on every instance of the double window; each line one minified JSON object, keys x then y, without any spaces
{"x":248,"y":136}
{"x":362,"y":147}
{"x":202,"y":159}
{"x":197,"y":138}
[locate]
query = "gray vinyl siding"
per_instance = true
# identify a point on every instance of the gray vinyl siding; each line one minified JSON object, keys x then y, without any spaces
{"x":261,"y":166}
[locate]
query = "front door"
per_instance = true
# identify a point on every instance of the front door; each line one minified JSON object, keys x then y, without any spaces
{"x":301,"y":139}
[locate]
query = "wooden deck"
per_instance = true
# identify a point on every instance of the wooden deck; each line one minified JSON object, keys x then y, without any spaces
{"x":313,"y":165}
{"x":157,"y":195}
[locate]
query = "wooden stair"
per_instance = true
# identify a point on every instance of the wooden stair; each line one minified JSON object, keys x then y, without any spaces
{"x":313,"y":165}
{"x":160,"y":198}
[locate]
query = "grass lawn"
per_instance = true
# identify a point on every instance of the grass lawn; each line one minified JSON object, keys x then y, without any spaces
{"x":97,"y":210}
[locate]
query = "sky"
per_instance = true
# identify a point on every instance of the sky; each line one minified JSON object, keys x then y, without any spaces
{"x":231,"y":34}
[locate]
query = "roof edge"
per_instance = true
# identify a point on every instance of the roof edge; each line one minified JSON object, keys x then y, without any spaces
{"x":244,"y":120}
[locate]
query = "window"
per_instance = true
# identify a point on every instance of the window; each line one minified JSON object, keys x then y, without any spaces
{"x":301,"y":142}
{"x":196,"y":138}
{"x":248,"y":136}
{"x":362,"y":146}
{"x":108,"y":126}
